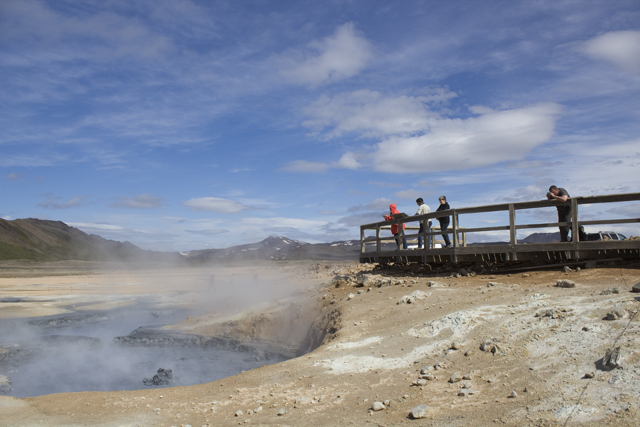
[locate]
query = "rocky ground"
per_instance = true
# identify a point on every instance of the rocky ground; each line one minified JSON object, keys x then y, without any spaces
{"x":402,"y":347}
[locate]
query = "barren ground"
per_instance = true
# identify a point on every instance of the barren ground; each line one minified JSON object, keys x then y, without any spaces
{"x":379,"y":350}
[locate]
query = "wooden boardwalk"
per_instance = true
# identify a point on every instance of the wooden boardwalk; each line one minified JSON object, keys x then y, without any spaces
{"x":382,"y":250}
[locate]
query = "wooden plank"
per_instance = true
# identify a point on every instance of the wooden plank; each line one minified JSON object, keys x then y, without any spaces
{"x":611,"y":221}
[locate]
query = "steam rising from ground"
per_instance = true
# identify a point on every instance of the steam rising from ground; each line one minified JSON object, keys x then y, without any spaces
{"x":74,"y":350}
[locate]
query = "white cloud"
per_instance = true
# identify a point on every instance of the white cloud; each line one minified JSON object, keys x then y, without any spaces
{"x":143,"y":201}
{"x":341,"y":55}
{"x":416,"y":135}
{"x":215,"y":204}
{"x":371,"y":114}
{"x":459,"y":144}
{"x":622,"y":48}
{"x":347,"y":161}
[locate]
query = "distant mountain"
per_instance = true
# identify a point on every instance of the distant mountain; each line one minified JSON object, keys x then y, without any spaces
{"x":541,"y":238}
{"x":276,"y":248}
{"x":42,"y":240}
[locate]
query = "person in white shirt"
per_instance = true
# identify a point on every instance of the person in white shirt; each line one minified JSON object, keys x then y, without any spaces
{"x":422,"y":210}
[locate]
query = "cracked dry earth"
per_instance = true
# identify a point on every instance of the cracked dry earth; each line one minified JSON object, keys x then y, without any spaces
{"x":541,"y":345}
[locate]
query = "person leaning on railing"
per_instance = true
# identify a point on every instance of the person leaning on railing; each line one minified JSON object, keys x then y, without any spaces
{"x":444,"y":220}
{"x":394,"y":227}
{"x":564,"y":212}
{"x":423,"y":210}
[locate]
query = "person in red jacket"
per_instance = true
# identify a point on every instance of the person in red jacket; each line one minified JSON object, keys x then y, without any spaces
{"x":394,"y":227}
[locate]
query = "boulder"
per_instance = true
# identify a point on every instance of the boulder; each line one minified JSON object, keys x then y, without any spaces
{"x":377,"y":406}
{"x":564,"y":283}
{"x":486,"y":345}
{"x":413,"y":297}
{"x":420,"y":411}
{"x":636,"y":287}
{"x":366,"y":279}
{"x":611,"y":359}
{"x":616,"y":313}
{"x":163,"y":377}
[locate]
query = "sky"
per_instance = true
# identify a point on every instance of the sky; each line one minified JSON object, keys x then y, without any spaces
{"x":182,"y":125}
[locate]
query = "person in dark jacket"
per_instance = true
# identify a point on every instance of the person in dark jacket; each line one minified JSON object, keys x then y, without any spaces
{"x":444,"y":220}
{"x":564,"y":212}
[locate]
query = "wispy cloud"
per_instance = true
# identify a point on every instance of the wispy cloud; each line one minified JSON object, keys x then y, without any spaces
{"x":209,"y":232}
{"x":16,"y":176}
{"x":142,"y":201}
{"x":51,"y":202}
{"x":215,"y":204}
{"x":371,"y":114}
{"x":381,"y":203}
{"x":306,"y":166}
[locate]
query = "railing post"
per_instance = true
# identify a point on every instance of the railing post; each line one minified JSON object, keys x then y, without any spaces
{"x":574,"y":221}
{"x":378,"y":244}
{"x":575,"y":235}
{"x":454,"y":219}
{"x":362,"y":240}
{"x":513,"y":240}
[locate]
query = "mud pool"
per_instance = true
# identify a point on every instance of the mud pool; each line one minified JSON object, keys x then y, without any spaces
{"x":78,"y":351}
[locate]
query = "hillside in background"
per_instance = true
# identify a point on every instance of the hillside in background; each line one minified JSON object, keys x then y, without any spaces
{"x":42,"y":240}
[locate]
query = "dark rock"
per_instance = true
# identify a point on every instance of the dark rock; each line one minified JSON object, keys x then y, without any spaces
{"x":163,"y":377}
{"x":616,"y":313}
{"x":564,"y":283}
{"x":611,"y":359}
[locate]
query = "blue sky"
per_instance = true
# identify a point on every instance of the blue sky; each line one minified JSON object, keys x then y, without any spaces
{"x":180,"y":125}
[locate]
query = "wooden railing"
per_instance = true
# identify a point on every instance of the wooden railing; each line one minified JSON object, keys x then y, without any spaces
{"x":455,"y":229}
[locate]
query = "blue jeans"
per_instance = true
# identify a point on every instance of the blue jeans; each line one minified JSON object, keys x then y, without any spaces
{"x":420,"y":237}
{"x":443,"y":226}
{"x":404,"y":241}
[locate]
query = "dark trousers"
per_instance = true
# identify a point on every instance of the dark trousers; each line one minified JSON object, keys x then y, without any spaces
{"x":404,"y":241}
{"x":420,"y":237}
{"x":564,"y":215}
{"x":443,"y":226}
